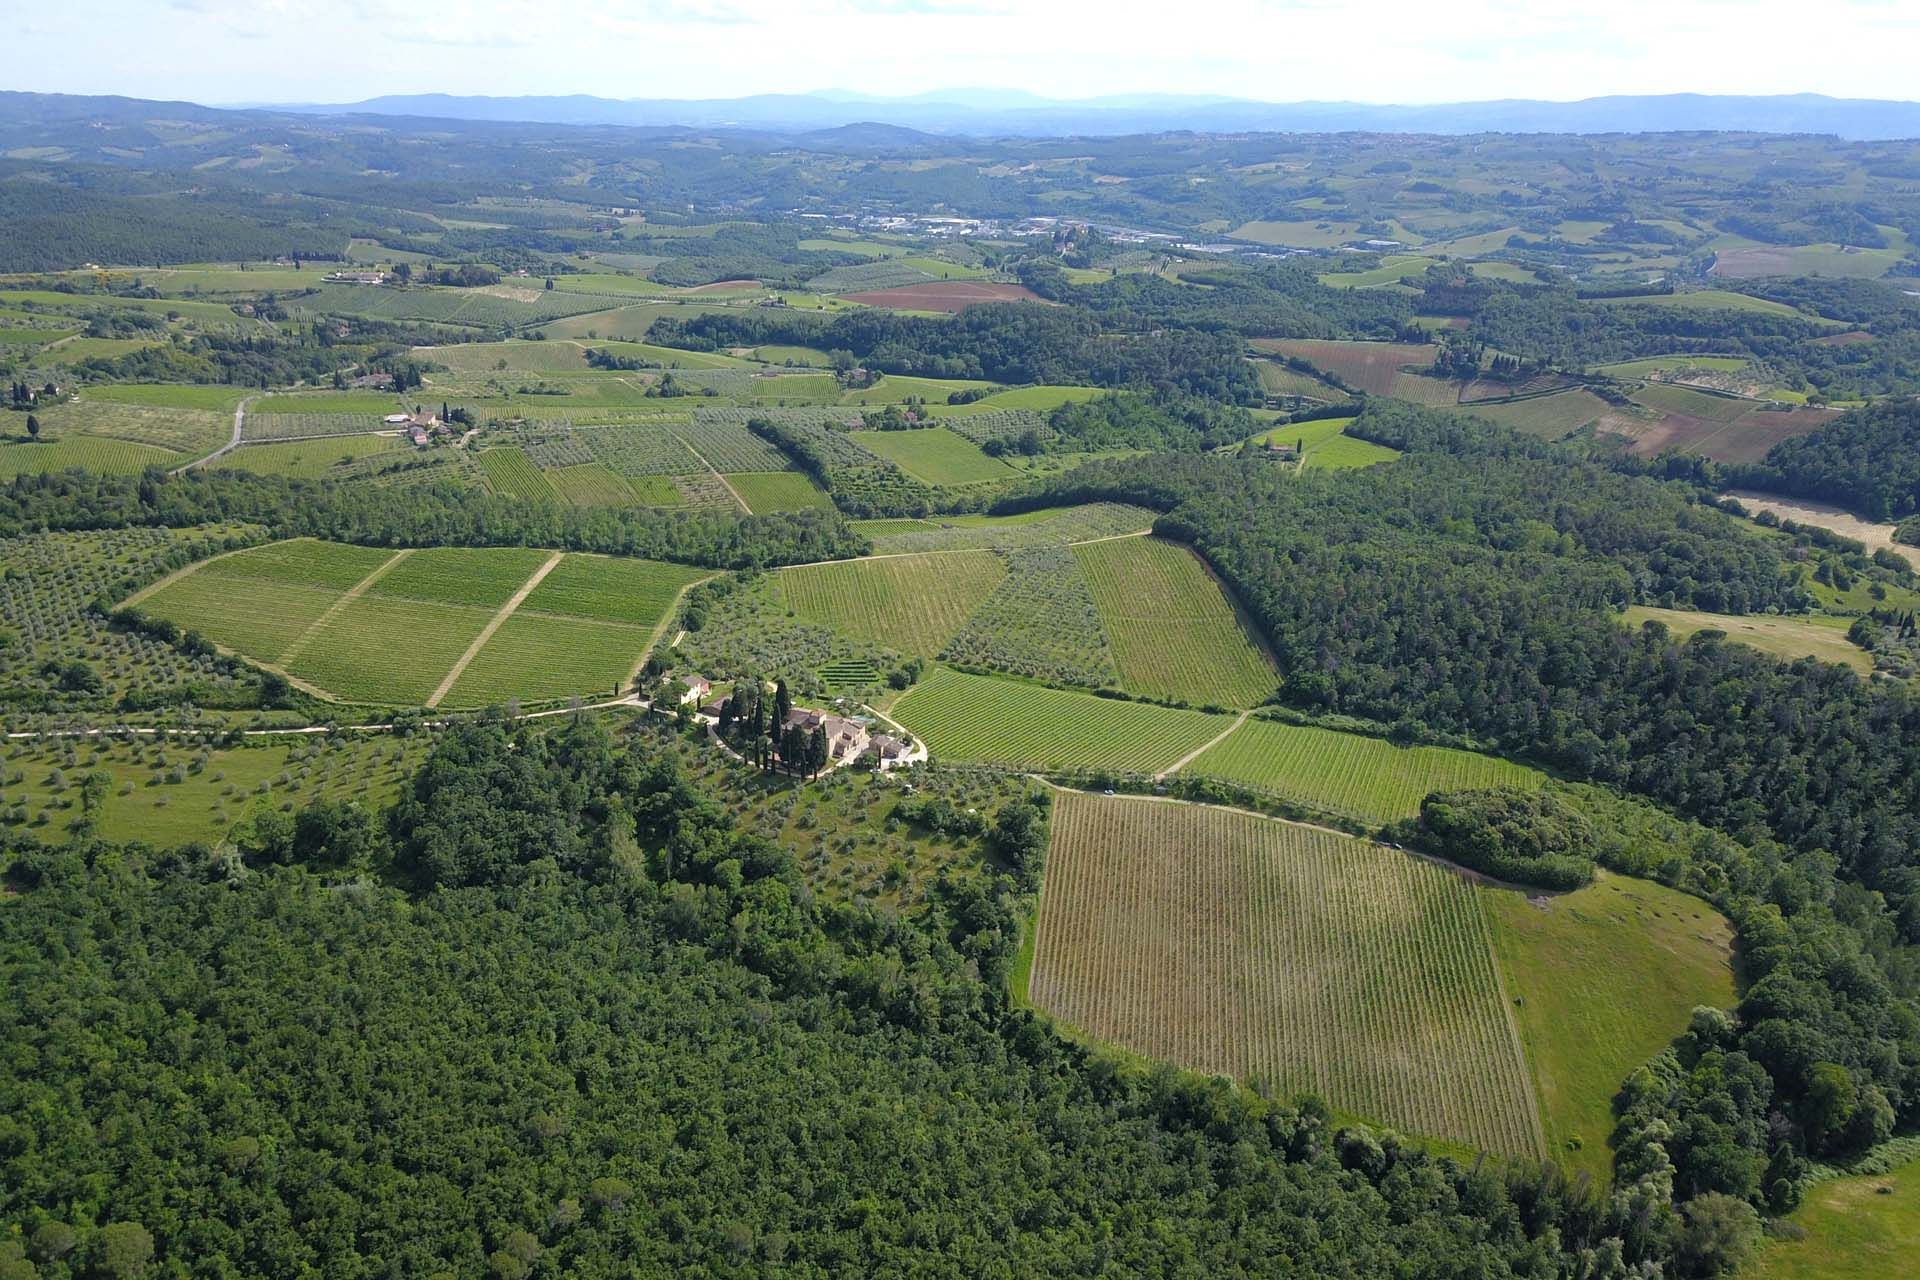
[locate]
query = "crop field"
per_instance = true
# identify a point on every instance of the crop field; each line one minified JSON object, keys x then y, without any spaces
{"x":1805,"y":260}
{"x":1392,"y":269}
{"x":359,"y":403}
{"x":778,"y":491}
{"x":309,"y":459}
{"x":783,"y":355}
{"x":1601,"y":979}
{"x":848,"y":673}
{"x":162,"y":395}
{"x":1004,"y":533}
{"x":1712,"y":299}
{"x":364,"y":624}
{"x":1174,"y":632}
{"x":1010,"y":722}
{"x":1550,"y":416}
{"x":496,"y":308}
{"x":628,"y":323}
{"x":948,"y":295}
{"x":1367,"y":779}
{"x":484,"y":577}
{"x":1369,"y":366}
{"x":1040,"y":399}
{"x":539,"y":658}
{"x":1667,"y":398}
{"x":1313,"y":962}
{"x":1746,"y":438}
{"x":611,"y":589}
{"x":1783,"y":637}
{"x":510,"y":473}
{"x":516,"y":356}
{"x":590,"y":484}
{"x":1675,"y":364}
{"x":1343,"y":452}
{"x":912,"y":604}
{"x":378,"y":648}
{"x":95,"y":453}
{"x":1278,"y":380}
{"x":898,"y":388}
{"x":1316,"y":234}
{"x":301,"y":426}
{"x":934,"y":456}
{"x":1040,"y":622}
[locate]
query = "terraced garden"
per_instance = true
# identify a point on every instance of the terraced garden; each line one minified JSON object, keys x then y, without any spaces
{"x":1243,"y":946}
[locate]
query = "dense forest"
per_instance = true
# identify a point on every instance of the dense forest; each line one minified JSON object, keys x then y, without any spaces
{"x":601,"y":1032}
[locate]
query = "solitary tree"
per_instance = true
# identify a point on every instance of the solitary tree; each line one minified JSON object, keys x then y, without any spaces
{"x":33,"y":427}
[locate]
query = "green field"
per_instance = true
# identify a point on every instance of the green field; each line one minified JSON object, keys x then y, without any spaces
{"x":1858,"y":1228}
{"x":1671,"y":364}
{"x":1601,"y":979}
{"x":1714,"y":299}
{"x":590,"y":484}
{"x":1009,"y":722}
{"x":364,"y":624}
{"x":1362,"y":778}
{"x":511,"y":474}
{"x":309,"y":459}
{"x":778,"y":491}
{"x":1668,"y":398}
{"x":1315,"y":963}
{"x":934,"y":456}
{"x":1551,"y":416}
{"x":94,"y":453}
{"x":895,"y":389}
{"x":1039,"y":399}
{"x":166,"y":395}
{"x":1783,"y":637}
{"x":1392,"y":268}
{"x":1175,"y":634}
{"x":1040,"y":622}
{"x":611,"y":589}
{"x":1342,"y":452}
{"x":362,"y":403}
{"x":1051,"y":527}
{"x":912,"y":604}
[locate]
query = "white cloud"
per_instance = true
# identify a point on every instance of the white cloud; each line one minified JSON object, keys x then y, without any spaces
{"x":1392,"y":51}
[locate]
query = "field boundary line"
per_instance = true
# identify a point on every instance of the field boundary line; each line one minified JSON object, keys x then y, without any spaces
{"x":1538,"y":1125}
{"x":660,"y":628}
{"x":1214,"y":741}
{"x":493,"y":624}
{"x":1120,"y":537}
{"x":725,"y":483}
{"x":351,"y":594}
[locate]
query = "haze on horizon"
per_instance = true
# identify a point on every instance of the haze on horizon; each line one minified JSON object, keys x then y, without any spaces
{"x":334,"y":51}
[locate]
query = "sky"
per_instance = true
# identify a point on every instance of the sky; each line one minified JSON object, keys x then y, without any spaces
{"x":232,"y":51}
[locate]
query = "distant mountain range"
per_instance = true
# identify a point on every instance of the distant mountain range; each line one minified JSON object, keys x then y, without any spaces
{"x":992,"y":112}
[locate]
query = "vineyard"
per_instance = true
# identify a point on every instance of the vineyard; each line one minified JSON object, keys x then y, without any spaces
{"x":778,"y":491}
{"x":912,"y":604}
{"x":364,"y":624}
{"x":1039,"y":622}
{"x":725,"y":442}
{"x":299,"y":426}
{"x":590,"y":485}
{"x":751,"y":633}
{"x":94,"y":453}
{"x":1005,"y":533}
{"x":512,"y":474}
{"x":1008,"y":722}
{"x":1368,"y":779}
{"x":934,"y":456}
{"x":182,"y":428}
{"x":1313,"y":962}
{"x":1175,"y":634}
{"x":311,"y":459}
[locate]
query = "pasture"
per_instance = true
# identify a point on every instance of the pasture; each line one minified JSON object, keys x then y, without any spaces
{"x":1865,"y":1227}
{"x":934,"y":456}
{"x":1601,"y":979}
{"x":1347,"y":774}
{"x":369,"y":625}
{"x":1309,"y":961}
{"x":1174,"y":633}
{"x":911,"y":604}
{"x":1009,"y":722}
{"x":1784,"y":637}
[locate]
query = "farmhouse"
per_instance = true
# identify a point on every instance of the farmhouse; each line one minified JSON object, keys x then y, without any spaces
{"x":381,"y":379}
{"x":887,"y":751}
{"x":846,"y":738}
{"x":419,"y":436}
{"x":356,"y":277}
{"x":694,"y":688}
